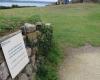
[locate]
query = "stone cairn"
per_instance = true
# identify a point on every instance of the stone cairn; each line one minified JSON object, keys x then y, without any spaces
{"x":31,"y":35}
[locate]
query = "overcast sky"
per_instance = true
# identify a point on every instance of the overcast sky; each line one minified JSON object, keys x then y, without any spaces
{"x":41,"y":0}
{"x":46,"y":0}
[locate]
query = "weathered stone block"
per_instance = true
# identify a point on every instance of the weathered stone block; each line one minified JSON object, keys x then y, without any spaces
{"x":29,"y":70}
{"x":1,"y":57}
{"x":33,"y":60}
{"x":34,"y":50}
{"x":3,"y":71}
{"x":48,"y":24}
{"x":28,"y":28}
{"x":32,"y":36}
{"x":35,"y":41}
{"x":9,"y":78}
{"x":29,"y":51}
{"x":39,"y":25}
{"x":30,"y":39}
{"x":24,"y":37}
{"x":38,"y":33}
{"x":23,"y":77}
{"x":33,"y":77}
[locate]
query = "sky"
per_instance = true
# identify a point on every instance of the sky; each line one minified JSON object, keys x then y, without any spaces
{"x":42,"y":0}
{"x":34,"y":0}
{"x":48,"y":0}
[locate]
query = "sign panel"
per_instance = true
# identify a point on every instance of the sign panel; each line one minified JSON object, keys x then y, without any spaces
{"x":15,"y":54}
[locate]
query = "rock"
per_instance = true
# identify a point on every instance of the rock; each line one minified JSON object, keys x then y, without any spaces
{"x":39,"y":25}
{"x":28,"y":28}
{"x":24,"y":37}
{"x":9,"y":78}
{"x":34,"y":50}
{"x":3,"y":71}
{"x":38,"y":33}
{"x":32,"y":36}
{"x":35,"y":41}
{"x":23,"y":77}
{"x":35,"y":68}
{"x":29,"y":70}
{"x":48,"y":24}
{"x":33,"y":77}
{"x":33,"y":60}
{"x":1,"y":57}
{"x":29,"y":51}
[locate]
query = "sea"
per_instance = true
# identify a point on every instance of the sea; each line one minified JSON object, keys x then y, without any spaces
{"x":24,"y":3}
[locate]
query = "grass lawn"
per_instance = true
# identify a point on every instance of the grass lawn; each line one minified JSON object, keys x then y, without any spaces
{"x":74,"y":24}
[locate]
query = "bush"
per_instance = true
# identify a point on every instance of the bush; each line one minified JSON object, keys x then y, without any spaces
{"x":5,"y":7}
{"x":34,"y":19}
{"x":46,"y":71}
{"x":48,"y":55}
{"x":15,"y":6}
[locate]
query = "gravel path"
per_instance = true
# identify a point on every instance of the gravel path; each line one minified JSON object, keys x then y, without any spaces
{"x":81,"y":64}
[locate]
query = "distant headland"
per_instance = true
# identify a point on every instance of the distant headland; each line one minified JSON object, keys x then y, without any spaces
{"x":10,"y":3}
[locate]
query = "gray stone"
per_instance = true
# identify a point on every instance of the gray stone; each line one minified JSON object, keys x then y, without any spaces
{"x":3,"y":71}
{"x":23,"y":77}
{"x":35,"y":40}
{"x":29,"y":51}
{"x":35,"y":67}
{"x":48,"y":24}
{"x":24,"y":37}
{"x":30,"y":27}
{"x":32,"y":36}
{"x":9,"y":78}
{"x":33,"y":77}
{"x":38,"y":33}
{"x":34,"y":50}
{"x":39,"y":23}
{"x":29,"y":70}
{"x":33,"y":60}
{"x":1,"y":57}
{"x":27,"y":28}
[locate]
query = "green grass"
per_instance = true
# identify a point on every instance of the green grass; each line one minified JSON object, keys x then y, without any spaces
{"x":74,"y":25}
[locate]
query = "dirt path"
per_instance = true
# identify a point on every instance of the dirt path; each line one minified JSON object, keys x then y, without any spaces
{"x":81,"y":64}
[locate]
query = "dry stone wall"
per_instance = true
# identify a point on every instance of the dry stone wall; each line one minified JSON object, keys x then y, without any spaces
{"x":30,"y":34}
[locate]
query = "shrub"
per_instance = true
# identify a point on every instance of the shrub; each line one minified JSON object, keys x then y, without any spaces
{"x":46,"y":71}
{"x":34,"y":19}
{"x":15,"y":6}
{"x":48,"y":55}
{"x":5,"y":7}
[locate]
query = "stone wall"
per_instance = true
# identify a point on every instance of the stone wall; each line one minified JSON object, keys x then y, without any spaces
{"x":30,"y":34}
